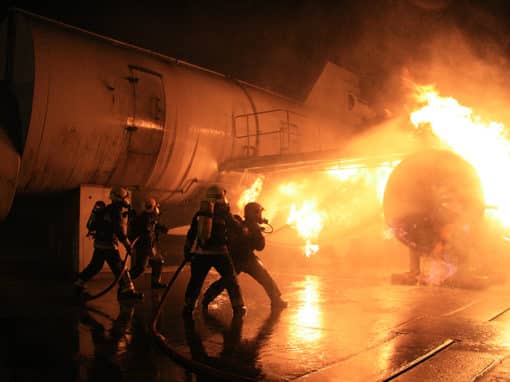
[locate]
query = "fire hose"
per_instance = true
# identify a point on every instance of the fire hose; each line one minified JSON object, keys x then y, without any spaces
{"x":195,"y":366}
{"x":117,"y":279}
{"x":155,"y":318}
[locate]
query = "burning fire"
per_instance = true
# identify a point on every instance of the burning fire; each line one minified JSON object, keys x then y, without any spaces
{"x":374,"y":177}
{"x":343,"y":198}
{"x":251,"y":194}
{"x":346,"y":199}
{"x":481,"y":143}
{"x":308,"y":222}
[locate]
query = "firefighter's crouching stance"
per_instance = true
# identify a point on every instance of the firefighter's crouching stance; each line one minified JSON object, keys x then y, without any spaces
{"x":242,"y":249}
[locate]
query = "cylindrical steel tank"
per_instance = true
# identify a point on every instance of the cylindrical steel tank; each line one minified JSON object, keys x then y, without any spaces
{"x":98,"y":111}
{"x":429,"y":191}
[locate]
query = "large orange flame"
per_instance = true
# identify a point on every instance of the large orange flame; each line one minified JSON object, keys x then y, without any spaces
{"x":374,"y":177}
{"x":340,"y":198}
{"x":251,"y":194}
{"x":309,"y":222}
{"x":481,"y":143}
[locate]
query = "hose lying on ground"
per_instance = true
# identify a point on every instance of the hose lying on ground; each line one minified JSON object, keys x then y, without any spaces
{"x":195,"y":366}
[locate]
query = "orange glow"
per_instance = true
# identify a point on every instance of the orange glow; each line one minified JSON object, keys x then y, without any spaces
{"x":345,"y":173}
{"x":346,"y":200}
{"x":289,"y":189}
{"x":435,"y":270}
{"x":481,"y":143}
{"x":251,"y":194}
{"x":308,"y":222}
{"x":306,"y":324}
{"x":375,"y":177}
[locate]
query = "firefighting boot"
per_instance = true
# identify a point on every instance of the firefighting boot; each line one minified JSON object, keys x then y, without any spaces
{"x":129,"y":293}
{"x":127,"y":289}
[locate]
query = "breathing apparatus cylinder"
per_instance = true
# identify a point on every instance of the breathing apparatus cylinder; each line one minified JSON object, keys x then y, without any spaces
{"x":210,"y":215}
{"x":205,"y":222}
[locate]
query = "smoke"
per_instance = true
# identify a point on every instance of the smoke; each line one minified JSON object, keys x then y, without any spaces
{"x":477,"y":79}
{"x":393,"y":46}
{"x":460,"y":47}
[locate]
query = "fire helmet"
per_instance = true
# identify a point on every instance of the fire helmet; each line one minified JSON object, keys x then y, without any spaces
{"x":216,"y":193}
{"x":151,"y":205}
{"x":120,"y":195}
{"x":253,"y":210}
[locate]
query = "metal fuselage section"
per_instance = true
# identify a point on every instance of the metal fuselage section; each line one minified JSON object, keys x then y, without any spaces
{"x":83,"y":112}
{"x":97,"y":111}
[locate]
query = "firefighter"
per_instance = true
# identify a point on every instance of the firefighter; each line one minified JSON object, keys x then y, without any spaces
{"x":206,"y":246}
{"x":109,"y":227}
{"x":146,"y":228}
{"x":242,"y":252}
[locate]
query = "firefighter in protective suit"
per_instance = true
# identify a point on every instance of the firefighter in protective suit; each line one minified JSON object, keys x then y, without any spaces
{"x":146,"y":228}
{"x":242,"y":253}
{"x":207,"y":246}
{"x":110,"y":228}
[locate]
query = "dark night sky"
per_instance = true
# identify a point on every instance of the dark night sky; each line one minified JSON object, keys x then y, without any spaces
{"x":283,"y":45}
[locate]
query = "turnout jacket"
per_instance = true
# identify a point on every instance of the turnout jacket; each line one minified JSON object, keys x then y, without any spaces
{"x":250,"y":239}
{"x":113,"y":228}
{"x":223,"y":227}
{"x":146,"y":227}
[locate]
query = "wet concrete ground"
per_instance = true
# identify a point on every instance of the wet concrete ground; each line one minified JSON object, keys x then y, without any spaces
{"x":339,"y":326}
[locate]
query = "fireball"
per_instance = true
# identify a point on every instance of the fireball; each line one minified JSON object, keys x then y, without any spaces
{"x":480,"y":142}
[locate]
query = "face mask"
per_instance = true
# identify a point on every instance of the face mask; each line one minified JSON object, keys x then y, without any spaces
{"x":263,"y":220}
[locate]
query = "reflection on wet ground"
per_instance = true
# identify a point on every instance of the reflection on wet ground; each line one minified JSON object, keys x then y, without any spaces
{"x":338,"y":327}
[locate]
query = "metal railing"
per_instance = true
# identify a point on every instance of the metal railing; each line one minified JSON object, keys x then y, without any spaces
{"x":287,"y":130}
